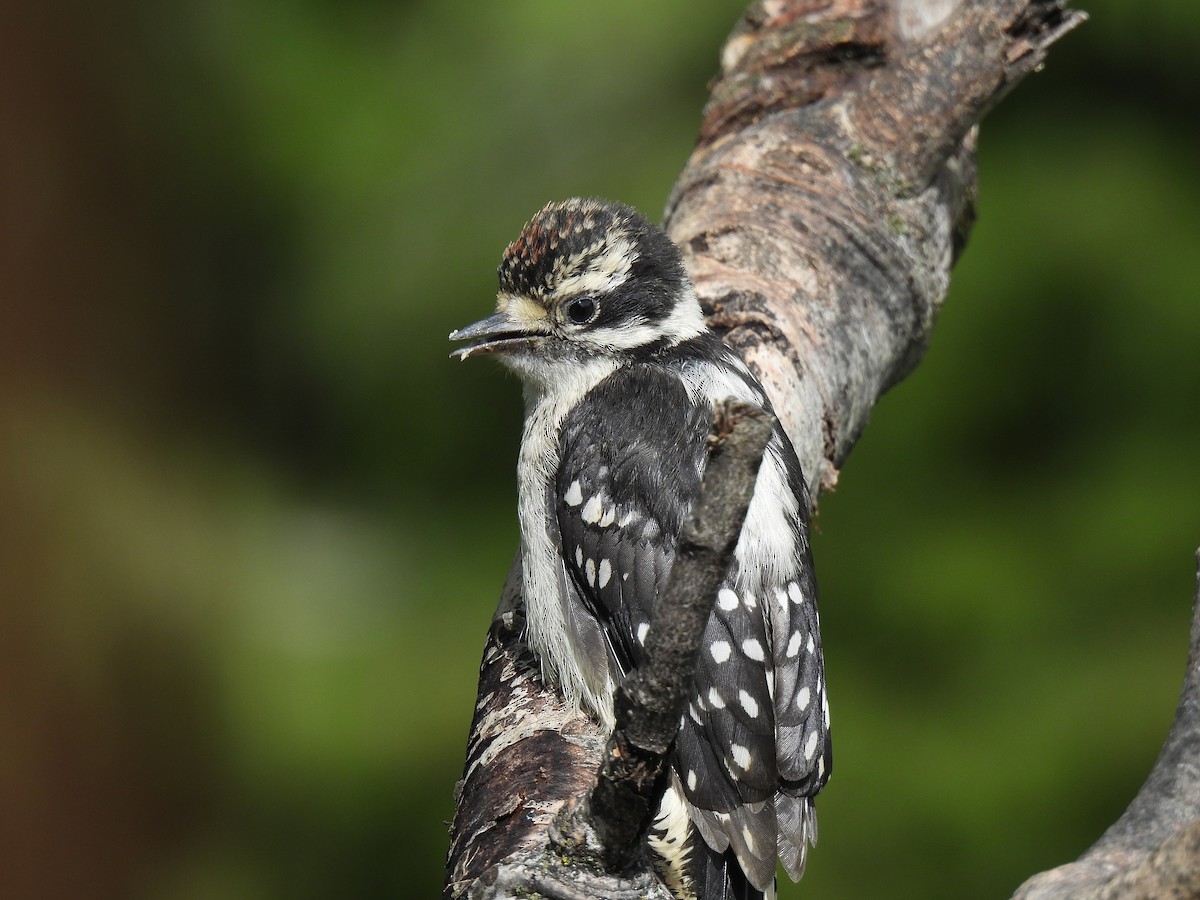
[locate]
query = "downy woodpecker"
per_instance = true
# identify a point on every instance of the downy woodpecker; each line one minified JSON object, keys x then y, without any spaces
{"x":597,"y":316}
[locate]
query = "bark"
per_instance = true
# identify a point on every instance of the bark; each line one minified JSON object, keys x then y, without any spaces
{"x":830,"y":192}
{"x":820,"y":234}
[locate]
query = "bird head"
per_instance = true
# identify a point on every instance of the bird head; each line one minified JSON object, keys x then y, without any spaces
{"x":585,"y":278}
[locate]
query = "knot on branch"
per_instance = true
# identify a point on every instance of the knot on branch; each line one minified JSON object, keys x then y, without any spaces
{"x":789,"y":55}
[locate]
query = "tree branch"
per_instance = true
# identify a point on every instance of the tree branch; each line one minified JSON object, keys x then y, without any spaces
{"x":820,"y":236}
{"x":831,"y":189}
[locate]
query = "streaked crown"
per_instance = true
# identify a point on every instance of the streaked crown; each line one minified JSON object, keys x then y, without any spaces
{"x":585,"y":277}
{"x":595,"y":247}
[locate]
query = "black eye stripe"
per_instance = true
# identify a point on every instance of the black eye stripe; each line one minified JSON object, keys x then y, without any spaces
{"x":581,"y":310}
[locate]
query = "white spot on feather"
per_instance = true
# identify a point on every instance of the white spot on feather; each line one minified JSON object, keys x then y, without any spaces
{"x":574,"y":494}
{"x":592,"y":510}
{"x":741,"y":755}
{"x":720,"y":650}
{"x":604,"y":573}
{"x":753,"y":649}
{"x":749,"y":704}
{"x":810,"y":746}
{"x":793,"y":647}
{"x":727,"y":600}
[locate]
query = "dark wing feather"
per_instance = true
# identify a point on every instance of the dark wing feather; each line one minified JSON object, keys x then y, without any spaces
{"x":631,"y":457}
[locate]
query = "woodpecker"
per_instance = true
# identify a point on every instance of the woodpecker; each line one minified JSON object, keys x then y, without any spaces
{"x":597,"y":316}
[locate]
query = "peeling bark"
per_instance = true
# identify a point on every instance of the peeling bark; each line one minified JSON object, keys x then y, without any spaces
{"x":820,"y":235}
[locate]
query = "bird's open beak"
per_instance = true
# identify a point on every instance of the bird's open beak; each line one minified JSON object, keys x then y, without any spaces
{"x":496,"y":334}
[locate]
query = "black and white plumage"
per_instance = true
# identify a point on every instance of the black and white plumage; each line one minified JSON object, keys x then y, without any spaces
{"x":598,"y":317}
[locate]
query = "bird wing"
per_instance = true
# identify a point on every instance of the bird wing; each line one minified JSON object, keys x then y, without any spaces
{"x":630,"y":464}
{"x":632,"y":455}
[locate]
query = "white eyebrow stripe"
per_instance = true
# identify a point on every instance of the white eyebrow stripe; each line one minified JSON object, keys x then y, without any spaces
{"x":604,"y":272}
{"x":636,"y":333}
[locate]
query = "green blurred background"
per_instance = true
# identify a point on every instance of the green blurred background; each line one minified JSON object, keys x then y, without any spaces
{"x":255,"y":522}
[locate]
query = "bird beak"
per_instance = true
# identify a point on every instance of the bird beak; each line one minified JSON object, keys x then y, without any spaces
{"x":496,"y":334}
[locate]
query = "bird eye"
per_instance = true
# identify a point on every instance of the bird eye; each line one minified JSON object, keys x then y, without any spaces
{"x":581,"y":310}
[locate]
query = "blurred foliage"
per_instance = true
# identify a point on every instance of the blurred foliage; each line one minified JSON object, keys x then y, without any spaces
{"x":256,"y":522}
